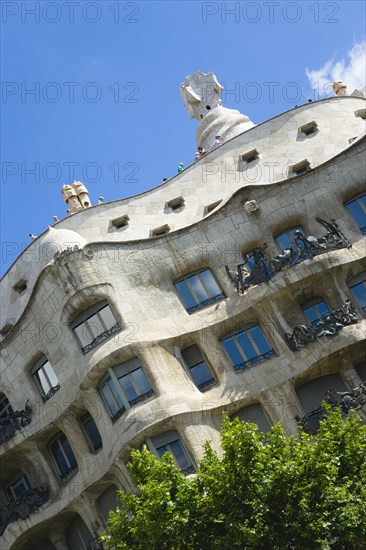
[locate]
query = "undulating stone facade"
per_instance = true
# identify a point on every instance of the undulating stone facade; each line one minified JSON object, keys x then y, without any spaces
{"x":238,"y":285}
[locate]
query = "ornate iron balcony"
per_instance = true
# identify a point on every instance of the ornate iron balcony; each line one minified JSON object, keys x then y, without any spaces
{"x":206,"y":384}
{"x":302,"y":248}
{"x":13,"y":421}
{"x":101,"y":337}
{"x":355,"y":399}
{"x":329,"y":325}
{"x":26,"y":503}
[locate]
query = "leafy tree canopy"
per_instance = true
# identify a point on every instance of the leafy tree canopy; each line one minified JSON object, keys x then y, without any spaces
{"x":267,"y":491}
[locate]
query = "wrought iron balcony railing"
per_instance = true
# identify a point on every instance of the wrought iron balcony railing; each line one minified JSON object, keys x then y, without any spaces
{"x":14,"y":421}
{"x":26,"y":503}
{"x":329,"y":325}
{"x":101,"y":337}
{"x":355,"y":399}
{"x":302,"y":248}
{"x":50,"y":393}
{"x":254,"y":360}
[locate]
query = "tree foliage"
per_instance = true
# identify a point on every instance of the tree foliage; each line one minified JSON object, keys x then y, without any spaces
{"x":267,"y":491}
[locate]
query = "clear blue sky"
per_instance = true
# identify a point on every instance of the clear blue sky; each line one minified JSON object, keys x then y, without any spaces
{"x":106,"y":76}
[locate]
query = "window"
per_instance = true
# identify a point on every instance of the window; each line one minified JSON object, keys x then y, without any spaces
{"x":250,"y":156}
{"x":15,"y":489}
{"x":45,"y":378}
{"x":299,"y":168}
{"x":357,"y":286}
{"x":361,"y":371}
{"x":311,"y":394}
{"x":112,"y":398}
{"x":247,"y":348}
{"x":5,"y":408}
{"x":309,"y":129}
{"x":78,"y":536}
{"x":95,"y":326}
{"x":211,"y":207}
{"x":63,"y":456}
{"x":121,"y":222}
{"x":159,"y":231}
{"x":198,"y":369}
{"x":175,"y":204}
{"x":108,"y":501}
{"x":357,"y":208}
{"x":91,"y":431}
{"x":199,"y":290}
{"x":361,"y":113}
{"x":284,"y":240}
{"x":254,"y":413}
{"x":125,"y":386}
{"x":315,"y":310}
{"x":170,"y":442}
{"x":21,"y":286}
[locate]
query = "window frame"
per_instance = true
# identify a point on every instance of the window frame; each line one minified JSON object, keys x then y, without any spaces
{"x":9,"y":488}
{"x":356,"y":198}
{"x":356,"y":281}
{"x":118,"y":392}
{"x":206,"y":385}
{"x":71,"y":470}
{"x":42,"y":361}
{"x":83,"y":420}
{"x":88,"y":314}
{"x":209,"y":301}
{"x":248,"y":363}
{"x":287,"y":233}
{"x":175,"y":436}
{"x":311,"y":304}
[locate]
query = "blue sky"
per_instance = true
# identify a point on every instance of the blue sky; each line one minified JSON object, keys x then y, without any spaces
{"x":105,"y":75}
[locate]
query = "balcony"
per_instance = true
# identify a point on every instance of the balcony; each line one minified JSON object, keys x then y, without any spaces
{"x":302,"y":248}
{"x":14,"y":421}
{"x":355,"y":399}
{"x":28,"y":502}
{"x":329,"y":325}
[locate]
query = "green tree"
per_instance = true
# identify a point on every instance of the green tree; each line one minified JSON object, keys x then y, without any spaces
{"x":267,"y":491}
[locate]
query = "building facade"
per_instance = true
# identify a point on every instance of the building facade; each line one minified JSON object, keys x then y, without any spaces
{"x":238,"y":285}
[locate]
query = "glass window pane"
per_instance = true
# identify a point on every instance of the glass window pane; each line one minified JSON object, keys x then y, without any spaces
{"x":108,"y":317}
{"x":260,"y":340}
{"x":141,"y":381}
{"x":284,"y":239}
{"x":127,"y":387}
{"x":198,"y":288}
{"x":83,"y":334}
{"x":210,"y":283}
{"x":185,"y":294}
{"x":357,"y":209}
{"x":359,"y":292}
{"x":59,"y":457}
{"x":95,"y":325}
{"x":179,"y":455}
{"x":69,"y":454}
{"x":246,"y":345}
{"x":316,"y":311}
{"x":111,"y":398}
{"x":201,"y":374}
{"x":43,"y":381}
{"x":232,"y":351}
{"x":162,"y":450}
{"x":51,"y":374}
{"x":93,"y":432}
